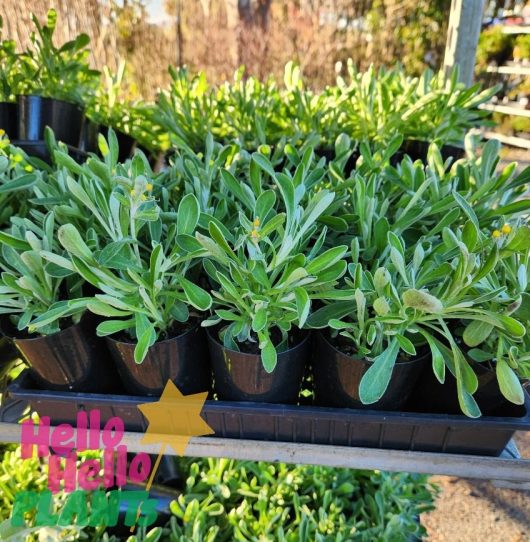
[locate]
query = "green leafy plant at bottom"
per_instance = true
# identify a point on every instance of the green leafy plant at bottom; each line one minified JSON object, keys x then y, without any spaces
{"x":226,"y":500}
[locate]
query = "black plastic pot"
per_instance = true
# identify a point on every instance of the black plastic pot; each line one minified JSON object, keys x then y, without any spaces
{"x":39,"y":149}
{"x":89,"y":136}
{"x":329,"y":154}
{"x":9,"y":119}
{"x":239,"y":376}
{"x":72,"y":359}
{"x":338,"y":375}
{"x":8,"y":351}
{"x":443,"y":398}
{"x":182,"y":359}
{"x":418,"y":150}
{"x":36,"y":112}
{"x":127,"y":145}
{"x":155,"y":160}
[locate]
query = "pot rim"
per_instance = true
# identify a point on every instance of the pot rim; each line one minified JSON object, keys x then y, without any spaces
{"x":411,"y":141}
{"x":188,"y":331}
{"x":416,"y":359}
{"x":31,"y":337}
{"x":306,"y":334}
{"x":50,"y":99}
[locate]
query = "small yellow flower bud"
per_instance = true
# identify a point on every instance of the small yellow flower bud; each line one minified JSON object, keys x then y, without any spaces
{"x":149,"y":187}
{"x":2,"y":132}
{"x":143,"y":197}
{"x":257,"y":222}
{"x":496,"y":234}
{"x":133,"y":193}
{"x":17,"y":158}
{"x":28,"y":168}
{"x":255,"y":234}
{"x":506,"y":229}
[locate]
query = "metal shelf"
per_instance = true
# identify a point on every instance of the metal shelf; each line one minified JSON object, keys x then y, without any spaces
{"x":509,"y":466}
{"x":515,"y":29}
{"x":514,"y":141}
{"x":509,"y":70}
{"x":507,"y":109}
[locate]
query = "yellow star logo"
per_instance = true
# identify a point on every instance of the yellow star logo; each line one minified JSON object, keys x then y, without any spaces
{"x":175,"y":418}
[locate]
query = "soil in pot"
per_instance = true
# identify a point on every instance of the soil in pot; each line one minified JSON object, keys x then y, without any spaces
{"x":36,"y":112}
{"x":240,"y":376}
{"x":182,"y":358}
{"x":338,"y":373}
{"x":9,"y":119}
{"x":73,"y":359}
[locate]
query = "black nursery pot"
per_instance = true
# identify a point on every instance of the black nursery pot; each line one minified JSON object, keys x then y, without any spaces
{"x":337,"y":377}
{"x":329,"y":154}
{"x":182,"y":359}
{"x":36,"y":112}
{"x":8,"y":351}
{"x":239,"y":376}
{"x":418,"y":150}
{"x":73,"y":359}
{"x":126,"y":144}
{"x":443,"y":398}
{"x":89,"y":136}
{"x":9,"y":119}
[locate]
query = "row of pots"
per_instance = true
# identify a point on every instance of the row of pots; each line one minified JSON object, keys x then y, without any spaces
{"x":27,"y":118}
{"x":76,"y":359}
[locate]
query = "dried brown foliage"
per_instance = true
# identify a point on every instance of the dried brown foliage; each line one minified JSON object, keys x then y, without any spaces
{"x":219,"y":35}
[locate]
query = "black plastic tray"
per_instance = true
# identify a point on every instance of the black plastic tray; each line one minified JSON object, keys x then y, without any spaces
{"x":302,"y":424}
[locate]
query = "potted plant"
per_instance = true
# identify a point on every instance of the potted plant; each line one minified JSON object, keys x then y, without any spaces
{"x":56,"y":82}
{"x":44,"y":311}
{"x":502,"y":363}
{"x":414,"y":199}
{"x":494,"y":46}
{"x":188,"y":110}
{"x":409,"y":306}
{"x":521,"y":50}
{"x":265,"y":276}
{"x":140,"y":270}
{"x":9,"y":75}
{"x":378,"y":105}
{"x":133,"y":122}
{"x":16,"y":176}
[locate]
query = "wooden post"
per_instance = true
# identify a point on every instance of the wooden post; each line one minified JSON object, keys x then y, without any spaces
{"x":465,"y":22}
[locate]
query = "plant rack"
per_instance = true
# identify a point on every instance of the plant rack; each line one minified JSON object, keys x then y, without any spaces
{"x":507,"y":470}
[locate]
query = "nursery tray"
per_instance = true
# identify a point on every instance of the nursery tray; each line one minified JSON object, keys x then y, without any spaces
{"x":39,"y":149}
{"x":409,"y":431}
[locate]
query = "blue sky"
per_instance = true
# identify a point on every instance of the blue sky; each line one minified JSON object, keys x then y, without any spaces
{"x":155,"y":8}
